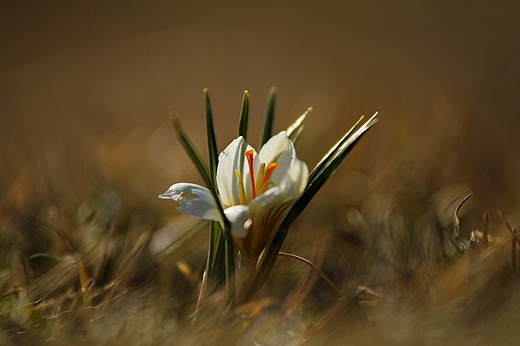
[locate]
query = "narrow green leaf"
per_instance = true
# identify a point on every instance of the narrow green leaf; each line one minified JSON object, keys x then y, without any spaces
{"x":211,"y":277}
{"x":199,"y":164}
{"x":214,"y":231}
{"x":298,"y":124}
{"x":214,"y":240}
{"x":214,"y":234}
{"x":191,"y":151}
{"x":214,"y":228}
{"x":244,"y":116}
{"x":325,"y":159}
{"x":212,"y":142}
{"x":333,"y":162}
{"x":269,"y":116}
{"x":223,"y":264}
{"x":229,"y":261}
{"x":218,"y":259}
{"x":201,"y":167}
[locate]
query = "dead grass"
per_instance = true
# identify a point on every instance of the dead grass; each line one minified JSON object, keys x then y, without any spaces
{"x":85,"y":260}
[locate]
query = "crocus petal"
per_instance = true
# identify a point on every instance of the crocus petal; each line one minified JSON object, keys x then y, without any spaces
{"x":294,"y":182}
{"x":194,"y":200}
{"x":240,"y":218}
{"x":279,"y":149}
{"x":268,"y":210}
{"x":273,"y":196}
{"x":283,"y":166}
{"x":230,"y":160}
{"x":275,"y":146}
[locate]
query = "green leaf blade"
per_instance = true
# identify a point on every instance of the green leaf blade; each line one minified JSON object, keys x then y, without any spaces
{"x":326,"y":158}
{"x":244,"y":116}
{"x":269,"y":117}
{"x":212,"y":142}
{"x":199,"y":164}
{"x":191,"y":151}
{"x":334,"y":160}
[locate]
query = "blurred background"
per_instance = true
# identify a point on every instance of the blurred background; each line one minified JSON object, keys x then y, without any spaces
{"x":79,"y":81}
{"x":86,"y":90}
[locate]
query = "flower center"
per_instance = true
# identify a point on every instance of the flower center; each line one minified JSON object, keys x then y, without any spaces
{"x":260,"y":183}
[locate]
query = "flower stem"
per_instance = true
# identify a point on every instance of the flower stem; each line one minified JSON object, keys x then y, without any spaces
{"x":245,"y":278}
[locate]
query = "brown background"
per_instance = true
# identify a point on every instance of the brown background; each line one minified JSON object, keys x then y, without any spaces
{"x":92,"y":84}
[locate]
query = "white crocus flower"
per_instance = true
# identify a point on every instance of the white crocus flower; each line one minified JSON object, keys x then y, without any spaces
{"x":255,"y":190}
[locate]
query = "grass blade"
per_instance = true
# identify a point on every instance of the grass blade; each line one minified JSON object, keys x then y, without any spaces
{"x":269,"y":116}
{"x":208,"y":279}
{"x":212,"y":142}
{"x":191,"y":151}
{"x":322,"y":163}
{"x":332,"y":163}
{"x":229,"y":264}
{"x":244,"y":116}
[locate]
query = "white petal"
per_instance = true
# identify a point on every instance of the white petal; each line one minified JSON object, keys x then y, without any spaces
{"x":268,"y":210}
{"x":279,"y":149}
{"x":240,"y":218}
{"x":273,"y":196}
{"x":284,"y":164}
{"x":295,"y":180}
{"x":275,"y":146}
{"x":194,"y":200}
{"x":229,"y":160}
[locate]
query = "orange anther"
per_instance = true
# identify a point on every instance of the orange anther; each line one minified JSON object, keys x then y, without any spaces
{"x":270,"y":169}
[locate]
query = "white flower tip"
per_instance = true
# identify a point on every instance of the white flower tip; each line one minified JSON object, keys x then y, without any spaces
{"x":240,"y":218}
{"x":169,"y":194}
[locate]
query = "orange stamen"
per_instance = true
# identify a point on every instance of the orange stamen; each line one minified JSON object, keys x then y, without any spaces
{"x":265,"y":181}
{"x":249,"y":156}
{"x":270,"y":169}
